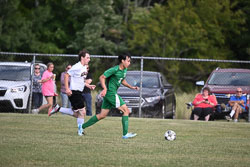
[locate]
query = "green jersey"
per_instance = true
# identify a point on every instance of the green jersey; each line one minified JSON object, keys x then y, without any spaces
{"x":114,"y":78}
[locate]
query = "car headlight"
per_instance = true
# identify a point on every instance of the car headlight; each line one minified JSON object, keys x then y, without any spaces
{"x":18,"y":89}
{"x":151,"y":99}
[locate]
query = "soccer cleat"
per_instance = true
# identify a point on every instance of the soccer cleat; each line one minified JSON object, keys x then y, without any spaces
{"x":228,"y":118}
{"x":54,"y":110}
{"x":80,"y":130}
{"x":129,"y":135}
{"x":35,"y":111}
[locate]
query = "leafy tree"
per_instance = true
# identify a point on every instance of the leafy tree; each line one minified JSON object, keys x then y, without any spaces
{"x":98,"y":28}
{"x":184,"y":28}
{"x":15,"y":29}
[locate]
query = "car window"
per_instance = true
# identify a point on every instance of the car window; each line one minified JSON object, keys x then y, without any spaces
{"x":147,"y":82}
{"x":230,"y":78}
{"x":14,"y":73}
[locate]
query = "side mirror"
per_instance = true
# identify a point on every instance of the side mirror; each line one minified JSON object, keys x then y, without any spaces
{"x":200,"y":83}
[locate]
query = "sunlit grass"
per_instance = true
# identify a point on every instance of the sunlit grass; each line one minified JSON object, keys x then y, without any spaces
{"x":39,"y":140}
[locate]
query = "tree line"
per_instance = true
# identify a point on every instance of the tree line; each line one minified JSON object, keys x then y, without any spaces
{"x":210,"y":29}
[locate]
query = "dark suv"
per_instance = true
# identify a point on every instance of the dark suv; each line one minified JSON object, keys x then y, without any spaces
{"x":158,"y":98}
{"x":223,"y":83}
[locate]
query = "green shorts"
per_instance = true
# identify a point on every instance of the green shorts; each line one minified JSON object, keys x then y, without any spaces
{"x":112,"y":101}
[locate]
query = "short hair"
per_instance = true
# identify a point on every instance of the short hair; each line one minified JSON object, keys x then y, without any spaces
{"x":68,"y":65}
{"x":82,"y":53}
{"x":37,"y":65}
{"x":49,"y":64}
{"x":123,"y":57}
{"x":206,"y":88}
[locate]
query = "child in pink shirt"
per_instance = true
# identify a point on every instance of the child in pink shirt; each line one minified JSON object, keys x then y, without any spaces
{"x":48,"y":85}
{"x":47,"y":88}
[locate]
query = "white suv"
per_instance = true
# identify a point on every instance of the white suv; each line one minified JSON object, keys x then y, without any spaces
{"x":15,"y":85}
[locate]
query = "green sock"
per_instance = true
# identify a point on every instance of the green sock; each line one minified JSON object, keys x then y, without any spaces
{"x":90,"y":122}
{"x":125,"y":124}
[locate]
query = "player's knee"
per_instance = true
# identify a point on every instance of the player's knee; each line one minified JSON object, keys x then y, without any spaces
{"x":82,"y":111}
{"x":102,"y":116}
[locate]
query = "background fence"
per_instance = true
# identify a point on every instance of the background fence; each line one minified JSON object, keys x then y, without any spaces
{"x":182,"y":73}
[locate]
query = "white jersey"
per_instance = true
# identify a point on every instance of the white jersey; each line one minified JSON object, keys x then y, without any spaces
{"x":77,"y":73}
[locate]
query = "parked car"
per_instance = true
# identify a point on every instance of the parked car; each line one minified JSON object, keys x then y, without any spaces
{"x":15,"y":85}
{"x":223,"y":84}
{"x":158,"y":98}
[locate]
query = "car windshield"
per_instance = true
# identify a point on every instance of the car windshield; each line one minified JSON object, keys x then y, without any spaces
{"x":230,"y":78}
{"x":14,"y":73}
{"x":147,"y":81}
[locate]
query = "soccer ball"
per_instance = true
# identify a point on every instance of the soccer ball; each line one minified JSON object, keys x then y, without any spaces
{"x":170,"y":135}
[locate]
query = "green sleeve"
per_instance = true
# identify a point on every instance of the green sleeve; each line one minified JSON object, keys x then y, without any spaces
{"x":110,"y":71}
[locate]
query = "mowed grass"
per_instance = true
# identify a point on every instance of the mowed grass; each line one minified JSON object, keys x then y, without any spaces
{"x":39,"y":140}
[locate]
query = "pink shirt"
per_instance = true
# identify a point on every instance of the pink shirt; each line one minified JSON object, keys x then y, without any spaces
{"x":199,"y":97}
{"x":48,"y":86}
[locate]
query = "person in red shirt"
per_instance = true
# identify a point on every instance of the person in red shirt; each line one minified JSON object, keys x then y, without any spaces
{"x":204,"y":104}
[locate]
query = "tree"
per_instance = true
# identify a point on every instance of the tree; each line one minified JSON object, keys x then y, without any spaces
{"x":184,"y":28}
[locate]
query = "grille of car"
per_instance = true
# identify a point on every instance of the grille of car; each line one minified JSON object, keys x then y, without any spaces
{"x":2,"y":91}
{"x":222,"y":98}
{"x":133,"y":101}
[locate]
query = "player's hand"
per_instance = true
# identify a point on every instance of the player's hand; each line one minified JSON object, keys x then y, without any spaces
{"x":68,"y":92}
{"x":135,"y":87}
{"x":92,"y":87}
{"x":103,"y":92}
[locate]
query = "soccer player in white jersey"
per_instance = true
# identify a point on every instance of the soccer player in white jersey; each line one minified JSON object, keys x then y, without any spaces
{"x":77,"y":74}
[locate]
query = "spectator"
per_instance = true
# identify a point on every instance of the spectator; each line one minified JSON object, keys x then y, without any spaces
{"x":238,"y":105}
{"x":87,"y":94}
{"x":47,"y":88}
{"x":37,"y":96}
{"x":64,"y":97}
{"x":204,"y":104}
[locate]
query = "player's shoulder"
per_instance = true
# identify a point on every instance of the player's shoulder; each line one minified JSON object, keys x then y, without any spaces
{"x":116,"y":68}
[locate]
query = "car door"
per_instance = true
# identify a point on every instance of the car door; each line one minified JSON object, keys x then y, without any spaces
{"x":168,"y":93}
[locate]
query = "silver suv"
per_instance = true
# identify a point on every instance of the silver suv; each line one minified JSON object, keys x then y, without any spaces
{"x":15,"y":85}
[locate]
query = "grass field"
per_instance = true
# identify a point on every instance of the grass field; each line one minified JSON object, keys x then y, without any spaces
{"x":39,"y":140}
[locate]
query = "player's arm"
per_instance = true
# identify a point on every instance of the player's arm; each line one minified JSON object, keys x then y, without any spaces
{"x":88,"y":84}
{"x":102,"y":79}
{"x":66,"y":83}
{"x":124,"y":82}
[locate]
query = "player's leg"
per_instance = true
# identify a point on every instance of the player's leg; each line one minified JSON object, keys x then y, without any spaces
{"x":80,"y":114}
{"x":68,"y":111}
{"x":96,"y":118}
{"x":106,"y":106}
{"x":123,"y":108}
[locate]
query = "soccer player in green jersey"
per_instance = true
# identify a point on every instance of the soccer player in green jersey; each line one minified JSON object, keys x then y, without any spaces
{"x":110,"y":82}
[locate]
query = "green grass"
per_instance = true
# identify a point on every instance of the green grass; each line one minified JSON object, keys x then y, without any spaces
{"x":39,"y":140}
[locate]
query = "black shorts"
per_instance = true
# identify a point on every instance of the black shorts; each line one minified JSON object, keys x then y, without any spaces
{"x":76,"y":100}
{"x":203,"y":112}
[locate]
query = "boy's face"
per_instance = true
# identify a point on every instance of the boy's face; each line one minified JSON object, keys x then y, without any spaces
{"x":85,"y":60}
{"x":126,"y":62}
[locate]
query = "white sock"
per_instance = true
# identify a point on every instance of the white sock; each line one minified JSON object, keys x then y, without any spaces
{"x":67,"y":111}
{"x":80,"y":121}
{"x":232,"y":113}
